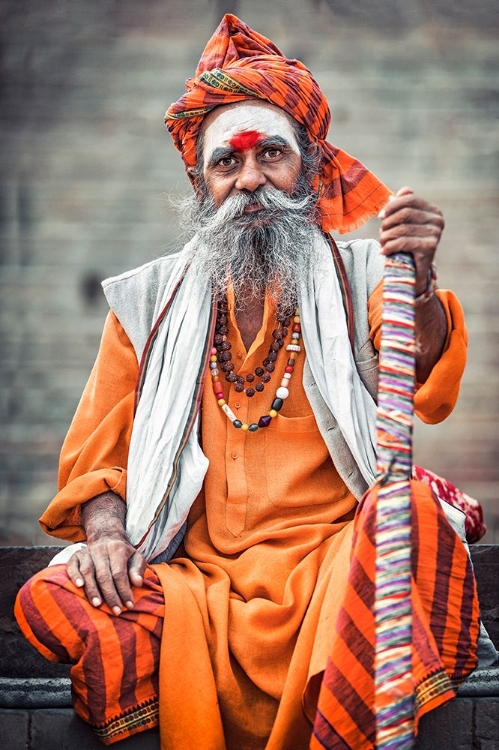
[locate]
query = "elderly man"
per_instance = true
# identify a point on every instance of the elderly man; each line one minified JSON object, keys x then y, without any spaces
{"x":218,"y":456}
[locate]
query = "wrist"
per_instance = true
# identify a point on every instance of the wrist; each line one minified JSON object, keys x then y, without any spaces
{"x":430,"y":289}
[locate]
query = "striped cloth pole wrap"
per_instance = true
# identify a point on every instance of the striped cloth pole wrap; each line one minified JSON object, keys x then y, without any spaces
{"x":394,"y":688}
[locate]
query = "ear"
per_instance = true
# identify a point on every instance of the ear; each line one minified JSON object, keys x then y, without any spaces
{"x":193,"y":177}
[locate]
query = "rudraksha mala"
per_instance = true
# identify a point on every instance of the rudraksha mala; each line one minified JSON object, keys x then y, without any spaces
{"x":221,"y":361}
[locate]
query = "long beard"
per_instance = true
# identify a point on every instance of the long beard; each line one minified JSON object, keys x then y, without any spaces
{"x":269,"y":251}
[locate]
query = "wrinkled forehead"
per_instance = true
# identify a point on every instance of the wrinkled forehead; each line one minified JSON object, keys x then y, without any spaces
{"x":243,"y":125}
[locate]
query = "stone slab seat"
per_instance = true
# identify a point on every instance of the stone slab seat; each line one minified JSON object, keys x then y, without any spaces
{"x":35,"y":695}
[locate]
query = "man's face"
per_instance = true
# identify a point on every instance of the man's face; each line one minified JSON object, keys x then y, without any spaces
{"x":247,"y":146}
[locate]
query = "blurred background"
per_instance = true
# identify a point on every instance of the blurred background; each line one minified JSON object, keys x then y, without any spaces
{"x":87,"y":166}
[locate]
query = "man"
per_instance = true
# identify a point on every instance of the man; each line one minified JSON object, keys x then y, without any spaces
{"x":231,"y":406}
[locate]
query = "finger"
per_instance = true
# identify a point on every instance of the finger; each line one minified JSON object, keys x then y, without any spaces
{"x":423,"y":248}
{"x":409,"y":230}
{"x":73,"y":570}
{"x":136,"y":567}
{"x":403,"y":191}
{"x":107,"y":587}
{"x":118,"y":564}
{"x":412,"y":215}
{"x":86,"y":573}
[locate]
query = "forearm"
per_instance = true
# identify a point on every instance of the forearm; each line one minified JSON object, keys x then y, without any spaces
{"x":104,"y":517}
{"x":431,"y":334}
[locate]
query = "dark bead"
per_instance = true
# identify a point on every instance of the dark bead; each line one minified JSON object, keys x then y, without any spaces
{"x":277,"y":333}
{"x":259,"y":387}
{"x":277,"y":404}
{"x":231,"y":377}
{"x":272,"y":356}
{"x":239,"y":387}
{"x":280,"y":342}
{"x":218,"y":339}
{"x":223,"y":330}
{"x":225,"y":346}
{"x":266,"y":361}
{"x":237,"y":423}
{"x":291,"y":362}
{"x":227,"y":367}
{"x":259,"y":371}
{"x":286,"y":321}
{"x":250,"y":392}
{"x":253,"y":427}
{"x":239,"y":379}
{"x":264,"y":421}
{"x":275,"y":346}
{"x":266,"y":378}
{"x":223,"y":320}
{"x":250,"y":377}
{"x":270,"y":367}
{"x":284,"y":333}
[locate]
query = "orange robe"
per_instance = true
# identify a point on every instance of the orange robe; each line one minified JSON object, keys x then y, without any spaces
{"x":253,"y":594}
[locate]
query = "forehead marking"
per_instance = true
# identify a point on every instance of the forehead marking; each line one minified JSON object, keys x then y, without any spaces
{"x":245,"y":140}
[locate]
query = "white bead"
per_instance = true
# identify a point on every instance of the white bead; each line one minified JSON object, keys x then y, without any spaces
{"x":282,"y":392}
{"x":293,"y":348}
{"x":213,"y":365}
{"x":287,"y":375}
{"x":215,"y":371}
{"x":228,"y":411}
{"x":295,"y":335}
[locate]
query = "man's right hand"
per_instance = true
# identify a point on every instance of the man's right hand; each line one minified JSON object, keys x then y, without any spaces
{"x":109,"y":566}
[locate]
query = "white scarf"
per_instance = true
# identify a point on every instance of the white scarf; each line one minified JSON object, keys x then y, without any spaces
{"x":166,"y":466}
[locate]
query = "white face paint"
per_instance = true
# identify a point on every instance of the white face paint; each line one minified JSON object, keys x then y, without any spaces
{"x":231,"y":121}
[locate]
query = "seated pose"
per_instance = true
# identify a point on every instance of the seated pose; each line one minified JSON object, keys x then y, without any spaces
{"x":220,"y":462}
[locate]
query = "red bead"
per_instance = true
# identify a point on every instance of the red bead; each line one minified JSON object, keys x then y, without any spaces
{"x":289,"y":369}
{"x":297,"y":328}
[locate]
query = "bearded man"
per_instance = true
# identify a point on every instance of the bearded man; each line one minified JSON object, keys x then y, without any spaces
{"x":218,"y":456}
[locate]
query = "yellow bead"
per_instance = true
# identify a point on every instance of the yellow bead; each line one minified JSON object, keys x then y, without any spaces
{"x":272,"y":413}
{"x":244,"y":427}
{"x":221,"y":402}
{"x":213,"y":358}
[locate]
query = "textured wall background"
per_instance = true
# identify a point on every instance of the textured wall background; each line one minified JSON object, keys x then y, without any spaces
{"x":86,"y":165}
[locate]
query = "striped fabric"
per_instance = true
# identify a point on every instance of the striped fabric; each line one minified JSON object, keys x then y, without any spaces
{"x":115,"y":659}
{"x":445,"y":625}
{"x":410,"y":620}
{"x":238,"y":64}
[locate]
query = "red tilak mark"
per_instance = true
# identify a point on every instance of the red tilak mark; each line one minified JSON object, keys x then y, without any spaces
{"x":246,"y":140}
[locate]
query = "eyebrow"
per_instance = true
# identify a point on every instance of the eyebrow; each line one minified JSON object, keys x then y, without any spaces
{"x":222,"y":151}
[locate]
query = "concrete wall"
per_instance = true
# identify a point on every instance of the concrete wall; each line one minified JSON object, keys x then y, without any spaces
{"x":87,"y":165}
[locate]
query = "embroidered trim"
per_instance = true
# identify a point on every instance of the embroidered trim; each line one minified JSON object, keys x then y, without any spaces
{"x":434,"y":685}
{"x":217,"y":79}
{"x":126,"y":723}
{"x":187,"y":114}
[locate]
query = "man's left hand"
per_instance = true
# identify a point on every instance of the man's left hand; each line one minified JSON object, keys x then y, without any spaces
{"x":412,"y":225}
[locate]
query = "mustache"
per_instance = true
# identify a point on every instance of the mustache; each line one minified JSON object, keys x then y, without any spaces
{"x":271,"y":203}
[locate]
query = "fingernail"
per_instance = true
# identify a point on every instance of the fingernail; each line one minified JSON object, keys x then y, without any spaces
{"x":96,"y":601}
{"x":381,"y":214}
{"x":129,"y":604}
{"x":79,"y":582}
{"x":117,"y":610}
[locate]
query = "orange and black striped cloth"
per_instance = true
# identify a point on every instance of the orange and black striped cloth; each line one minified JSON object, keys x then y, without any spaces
{"x":116,"y":659}
{"x":445,"y":626}
{"x":238,"y":64}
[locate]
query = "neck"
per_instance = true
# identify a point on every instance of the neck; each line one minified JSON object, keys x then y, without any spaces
{"x":249,"y":320}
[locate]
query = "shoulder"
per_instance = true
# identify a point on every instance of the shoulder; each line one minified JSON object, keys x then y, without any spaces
{"x":363,"y":263}
{"x":135,"y":296}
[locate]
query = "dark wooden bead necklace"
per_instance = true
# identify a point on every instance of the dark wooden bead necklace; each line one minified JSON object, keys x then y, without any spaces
{"x":221,"y":360}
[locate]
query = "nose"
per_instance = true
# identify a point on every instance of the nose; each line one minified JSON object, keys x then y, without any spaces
{"x":250,"y":176}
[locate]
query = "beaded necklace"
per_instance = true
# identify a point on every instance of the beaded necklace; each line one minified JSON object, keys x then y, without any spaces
{"x":221,"y":360}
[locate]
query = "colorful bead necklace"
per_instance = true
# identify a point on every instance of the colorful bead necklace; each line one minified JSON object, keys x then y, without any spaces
{"x":221,"y":360}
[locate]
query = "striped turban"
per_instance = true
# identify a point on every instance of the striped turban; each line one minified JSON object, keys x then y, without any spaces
{"x":238,"y":64}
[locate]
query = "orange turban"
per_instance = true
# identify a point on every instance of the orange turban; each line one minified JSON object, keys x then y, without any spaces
{"x":237,"y":64}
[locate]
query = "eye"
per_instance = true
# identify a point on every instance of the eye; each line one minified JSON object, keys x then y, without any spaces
{"x":226,"y":162}
{"x":272,"y":153}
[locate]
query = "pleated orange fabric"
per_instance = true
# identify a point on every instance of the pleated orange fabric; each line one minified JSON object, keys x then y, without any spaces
{"x":238,"y":63}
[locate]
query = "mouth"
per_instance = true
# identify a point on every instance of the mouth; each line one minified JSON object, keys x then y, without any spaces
{"x":252,"y":208}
